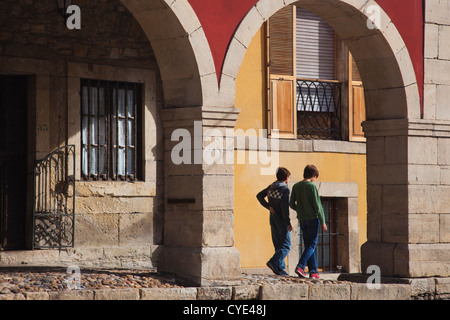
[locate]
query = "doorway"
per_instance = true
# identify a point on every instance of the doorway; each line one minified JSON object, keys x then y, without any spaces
{"x":13,"y":162}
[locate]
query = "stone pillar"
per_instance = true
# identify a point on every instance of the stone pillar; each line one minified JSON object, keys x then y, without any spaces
{"x":408,"y":196}
{"x":199,"y":181}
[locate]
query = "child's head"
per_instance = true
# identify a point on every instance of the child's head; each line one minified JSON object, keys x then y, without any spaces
{"x":283,"y":174}
{"x":310,"y":172}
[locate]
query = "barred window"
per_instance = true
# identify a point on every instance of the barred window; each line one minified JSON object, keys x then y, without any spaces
{"x":327,"y":242}
{"x":110,"y":130}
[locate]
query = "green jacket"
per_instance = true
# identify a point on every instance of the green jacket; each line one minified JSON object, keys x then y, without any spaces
{"x":306,"y":202}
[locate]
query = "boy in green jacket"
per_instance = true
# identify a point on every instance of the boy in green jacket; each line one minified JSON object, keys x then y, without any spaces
{"x":306,"y":202}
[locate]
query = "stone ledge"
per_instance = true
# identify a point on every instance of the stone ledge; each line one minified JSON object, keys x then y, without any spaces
{"x":248,"y":142}
{"x":267,"y":287}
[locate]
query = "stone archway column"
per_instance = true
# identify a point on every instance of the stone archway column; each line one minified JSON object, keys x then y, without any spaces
{"x":199,"y":200}
{"x":408,"y":194}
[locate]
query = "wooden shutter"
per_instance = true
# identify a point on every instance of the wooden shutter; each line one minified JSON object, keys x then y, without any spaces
{"x":281,"y":92}
{"x":281,"y":81}
{"x":357,"y":106}
{"x":315,"y":47}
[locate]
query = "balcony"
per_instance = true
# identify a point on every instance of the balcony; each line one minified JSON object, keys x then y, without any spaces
{"x":319,"y":109}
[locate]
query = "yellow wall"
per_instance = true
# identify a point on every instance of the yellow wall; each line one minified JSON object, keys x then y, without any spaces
{"x":250,"y":87}
{"x":252,"y":230}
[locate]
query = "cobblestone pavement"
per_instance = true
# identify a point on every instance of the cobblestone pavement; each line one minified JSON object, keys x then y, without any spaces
{"x":48,"y":279}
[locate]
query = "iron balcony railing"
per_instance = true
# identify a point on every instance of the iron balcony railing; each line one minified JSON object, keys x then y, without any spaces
{"x":319,"y":109}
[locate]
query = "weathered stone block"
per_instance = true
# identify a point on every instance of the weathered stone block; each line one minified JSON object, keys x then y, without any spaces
{"x":428,"y":175}
{"x":387,"y":174}
{"x":214,"y":293}
{"x":117,"y":294}
{"x":218,"y":228}
{"x":431,"y":40}
{"x":422,"y":286}
{"x":437,"y":200}
{"x":444,"y":231}
{"x":436,"y":71}
{"x":379,"y":254}
{"x":444,"y":44}
{"x":36,"y":295}
{"x":129,"y":255}
{"x":96,"y":229}
{"x":168,"y":293}
{"x":437,"y":11}
{"x":423,"y":228}
{"x":445,"y":175}
{"x":422,"y":150}
{"x":213,"y":196}
{"x":201,"y":266}
{"x":329,"y":292}
{"x":12,"y":296}
{"x":136,"y":228}
{"x":361,"y":291}
{"x":442,"y":101}
{"x":395,"y":199}
{"x":442,"y":285}
{"x":394,"y":228}
{"x":72,"y":295}
{"x":444,"y":150}
{"x":285,"y":292}
{"x":429,"y":101}
{"x":246,"y":292}
{"x":428,"y":260}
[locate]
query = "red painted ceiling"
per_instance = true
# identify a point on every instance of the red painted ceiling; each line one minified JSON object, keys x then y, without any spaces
{"x":220,"y":18}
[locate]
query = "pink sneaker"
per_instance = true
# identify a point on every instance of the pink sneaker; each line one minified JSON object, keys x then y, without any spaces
{"x":300,"y":272}
{"x":314,"y":276}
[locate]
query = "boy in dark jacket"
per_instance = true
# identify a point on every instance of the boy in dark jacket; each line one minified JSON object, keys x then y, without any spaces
{"x":280,"y":224}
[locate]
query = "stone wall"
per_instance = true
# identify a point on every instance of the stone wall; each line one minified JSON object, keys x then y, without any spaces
{"x":408,"y":165}
{"x":117,"y":223}
{"x":427,"y":289}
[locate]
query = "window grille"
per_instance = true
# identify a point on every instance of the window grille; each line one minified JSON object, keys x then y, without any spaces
{"x":319,"y":109}
{"x":110,"y":126}
{"x":327,"y":242}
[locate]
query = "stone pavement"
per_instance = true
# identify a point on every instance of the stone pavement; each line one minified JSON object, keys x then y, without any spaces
{"x":55,"y":283}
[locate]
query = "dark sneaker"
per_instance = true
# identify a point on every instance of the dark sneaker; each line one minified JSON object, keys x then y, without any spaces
{"x":273,"y":268}
{"x":283,"y":273}
{"x":301,"y":273}
{"x":314,"y":276}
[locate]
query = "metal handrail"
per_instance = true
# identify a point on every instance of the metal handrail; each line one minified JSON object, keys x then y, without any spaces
{"x":53,"y":214}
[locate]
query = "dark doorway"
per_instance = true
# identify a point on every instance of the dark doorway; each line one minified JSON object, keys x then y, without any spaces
{"x":13,"y":162}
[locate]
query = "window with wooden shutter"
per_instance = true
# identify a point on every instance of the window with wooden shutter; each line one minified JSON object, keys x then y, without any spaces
{"x":318,"y":92}
{"x":305,"y":99}
{"x":281,"y":71}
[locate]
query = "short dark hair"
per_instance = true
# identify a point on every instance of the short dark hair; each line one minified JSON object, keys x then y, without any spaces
{"x":282,"y":174}
{"x":310,"y":171}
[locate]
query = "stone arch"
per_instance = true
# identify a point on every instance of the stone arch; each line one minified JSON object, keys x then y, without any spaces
{"x":181,"y":49}
{"x":393,"y":113}
{"x":381,"y":54}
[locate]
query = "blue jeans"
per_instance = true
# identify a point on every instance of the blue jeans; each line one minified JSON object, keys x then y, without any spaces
{"x":281,"y":240}
{"x":310,"y":231}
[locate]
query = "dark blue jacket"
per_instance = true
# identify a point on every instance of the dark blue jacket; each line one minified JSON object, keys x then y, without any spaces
{"x":278,"y":195}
